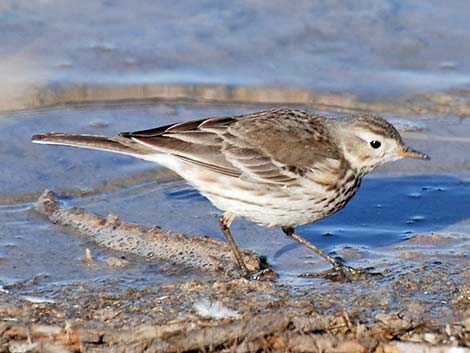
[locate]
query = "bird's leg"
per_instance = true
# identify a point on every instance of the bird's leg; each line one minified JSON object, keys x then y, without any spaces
{"x":290,"y":233}
{"x":348,"y":273}
{"x":225,"y":222}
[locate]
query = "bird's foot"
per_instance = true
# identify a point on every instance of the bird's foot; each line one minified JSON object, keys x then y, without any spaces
{"x":344,"y":273}
{"x":260,"y":275}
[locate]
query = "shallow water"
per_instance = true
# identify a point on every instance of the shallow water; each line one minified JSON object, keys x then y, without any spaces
{"x":395,"y":204}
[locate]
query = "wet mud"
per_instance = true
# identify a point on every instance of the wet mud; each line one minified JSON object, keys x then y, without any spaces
{"x":427,"y":306}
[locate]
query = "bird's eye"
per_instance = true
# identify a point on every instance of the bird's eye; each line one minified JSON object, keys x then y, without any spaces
{"x":375,"y":144}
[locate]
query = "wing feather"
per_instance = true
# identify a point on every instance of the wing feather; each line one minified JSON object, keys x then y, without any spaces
{"x":275,"y":146}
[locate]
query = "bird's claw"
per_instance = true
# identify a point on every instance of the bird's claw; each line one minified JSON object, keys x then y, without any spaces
{"x":261,"y":275}
{"x":344,"y":273}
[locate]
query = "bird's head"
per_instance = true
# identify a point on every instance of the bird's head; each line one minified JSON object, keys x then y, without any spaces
{"x":369,"y":141}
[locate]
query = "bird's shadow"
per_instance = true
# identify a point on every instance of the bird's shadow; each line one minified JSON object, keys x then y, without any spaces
{"x":389,"y":210}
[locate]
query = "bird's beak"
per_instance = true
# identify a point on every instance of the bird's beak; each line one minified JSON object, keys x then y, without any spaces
{"x":411,"y":153}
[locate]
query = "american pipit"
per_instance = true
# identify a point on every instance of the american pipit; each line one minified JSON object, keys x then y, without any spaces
{"x":278,"y":168}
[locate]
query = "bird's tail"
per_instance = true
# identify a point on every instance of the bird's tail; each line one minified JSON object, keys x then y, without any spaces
{"x":116,"y":144}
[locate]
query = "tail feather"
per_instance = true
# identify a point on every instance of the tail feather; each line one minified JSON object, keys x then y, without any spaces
{"x":116,"y":144}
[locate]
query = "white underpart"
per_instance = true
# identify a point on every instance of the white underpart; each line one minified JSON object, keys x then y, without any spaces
{"x":280,"y":206}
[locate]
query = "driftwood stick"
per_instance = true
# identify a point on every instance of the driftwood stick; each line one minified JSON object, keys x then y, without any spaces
{"x":197,"y":252}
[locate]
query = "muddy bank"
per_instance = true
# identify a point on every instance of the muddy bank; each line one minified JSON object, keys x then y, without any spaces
{"x":239,"y":316}
{"x":454,"y":101}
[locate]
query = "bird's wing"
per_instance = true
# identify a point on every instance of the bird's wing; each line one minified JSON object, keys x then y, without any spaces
{"x":279,"y":146}
{"x":273,"y":146}
{"x":190,"y":142}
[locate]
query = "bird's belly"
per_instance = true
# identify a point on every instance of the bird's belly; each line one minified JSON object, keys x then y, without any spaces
{"x":266,"y":204}
{"x":277,"y":207}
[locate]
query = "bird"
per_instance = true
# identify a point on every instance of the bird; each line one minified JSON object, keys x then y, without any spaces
{"x":280,"y":167}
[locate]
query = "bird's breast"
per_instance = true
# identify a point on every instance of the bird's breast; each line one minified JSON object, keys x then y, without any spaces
{"x":342,"y":191}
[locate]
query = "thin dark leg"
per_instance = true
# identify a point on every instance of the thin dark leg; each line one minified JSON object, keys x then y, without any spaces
{"x":346,"y":271}
{"x":290,"y":233}
{"x":225,"y":222}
